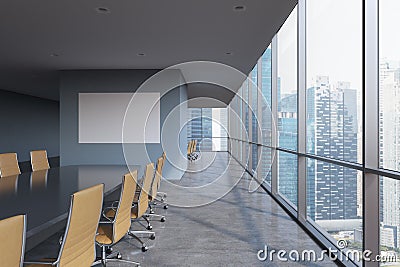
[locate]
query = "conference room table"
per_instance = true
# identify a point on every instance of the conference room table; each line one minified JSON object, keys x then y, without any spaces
{"x":44,"y":196}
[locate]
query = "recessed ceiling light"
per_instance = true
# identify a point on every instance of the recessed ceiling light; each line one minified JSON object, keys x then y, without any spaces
{"x":239,"y":8}
{"x":54,"y":55}
{"x":141,"y":54}
{"x":103,"y":10}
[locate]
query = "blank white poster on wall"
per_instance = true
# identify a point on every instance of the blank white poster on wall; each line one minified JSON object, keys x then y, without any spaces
{"x":101,"y":117}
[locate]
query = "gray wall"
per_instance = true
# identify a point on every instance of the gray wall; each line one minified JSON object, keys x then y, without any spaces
{"x":96,"y":81}
{"x":28,"y":123}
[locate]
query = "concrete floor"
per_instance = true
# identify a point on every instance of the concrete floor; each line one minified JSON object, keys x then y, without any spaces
{"x":227,"y":232}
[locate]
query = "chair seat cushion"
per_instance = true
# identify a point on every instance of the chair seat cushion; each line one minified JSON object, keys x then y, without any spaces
{"x":134,"y":212}
{"x":105,"y":234}
{"x":111,"y":213}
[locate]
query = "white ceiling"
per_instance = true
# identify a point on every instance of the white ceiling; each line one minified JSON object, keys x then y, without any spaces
{"x":168,"y":32}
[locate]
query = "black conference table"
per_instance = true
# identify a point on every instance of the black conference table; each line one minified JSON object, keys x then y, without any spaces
{"x":44,"y":196}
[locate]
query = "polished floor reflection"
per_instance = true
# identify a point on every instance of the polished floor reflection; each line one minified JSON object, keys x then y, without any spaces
{"x":228,"y":232}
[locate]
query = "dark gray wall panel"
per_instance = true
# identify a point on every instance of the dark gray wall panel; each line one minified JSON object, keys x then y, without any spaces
{"x":28,"y":123}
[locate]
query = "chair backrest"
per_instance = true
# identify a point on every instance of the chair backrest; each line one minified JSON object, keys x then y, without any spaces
{"x":194,"y":145}
{"x":143,"y":201}
{"x":9,"y":164}
{"x":161,"y":169}
{"x":160,"y":163}
{"x":122,"y":219}
{"x":39,"y":160}
{"x":156,"y":180}
{"x":12,"y":245}
{"x":78,"y":247}
{"x":164,"y":158}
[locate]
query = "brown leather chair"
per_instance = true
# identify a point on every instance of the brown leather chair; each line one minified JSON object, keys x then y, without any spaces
{"x":9,"y":164}
{"x":162,"y":195}
{"x":118,"y":221}
{"x":78,"y":247}
{"x":140,"y":207}
{"x":195,"y":155}
{"x":12,"y":235}
{"x":153,"y":201}
{"x":189,"y":149}
{"x":39,"y":160}
{"x":157,"y":179}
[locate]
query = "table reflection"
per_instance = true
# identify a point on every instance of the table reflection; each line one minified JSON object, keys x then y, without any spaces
{"x":39,"y":180}
{"x":9,"y":185}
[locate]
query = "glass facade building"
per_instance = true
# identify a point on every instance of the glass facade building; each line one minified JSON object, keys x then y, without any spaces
{"x":209,"y":127}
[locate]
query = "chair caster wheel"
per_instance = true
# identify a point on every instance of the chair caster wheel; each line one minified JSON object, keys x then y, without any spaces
{"x":109,"y":250}
{"x":144,"y":248}
{"x":162,"y":219}
{"x":119,"y":256}
{"x":152,"y":237}
{"x":165,"y":207}
{"x":149,"y":227}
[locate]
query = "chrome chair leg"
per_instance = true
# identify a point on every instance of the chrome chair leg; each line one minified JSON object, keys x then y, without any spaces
{"x":134,"y":235}
{"x":114,"y":257}
{"x":153,"y":215}
{"x":160,"y":202}
{"x":163,"y":195}
{"x":149,"y":226}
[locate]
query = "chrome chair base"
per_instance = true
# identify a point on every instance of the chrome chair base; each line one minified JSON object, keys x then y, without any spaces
{"x":135,"y":233}
{"x":114,"y":257}
{"x":149,"y":226}
{"x":104,"y":262}
{"x":162,"y":194}
{"x":153,"y":215}
{"x":159,"y":202}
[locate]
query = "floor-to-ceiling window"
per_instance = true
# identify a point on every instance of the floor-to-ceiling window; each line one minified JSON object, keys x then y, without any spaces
{"x":329,"y":114}
{"x":287,"y":107}
{"x":253,"y":93}
{"x":265,"y":115}
{"x":209,"y":127}
{"x":389,"y":123}
{"x":334,"y":115}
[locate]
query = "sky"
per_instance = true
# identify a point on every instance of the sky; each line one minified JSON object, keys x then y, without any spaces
{"x":334,"y":42}
{"x":389,"y":45}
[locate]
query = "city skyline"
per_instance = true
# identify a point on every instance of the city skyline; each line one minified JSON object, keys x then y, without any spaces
{"x":335,"y":192}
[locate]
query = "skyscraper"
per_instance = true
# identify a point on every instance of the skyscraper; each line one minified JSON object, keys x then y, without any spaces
{"x":194,"y":128}
{"x":332,"y":132}
{"x":287,"y":135}
{"x":390,"y":152}
{"x":207,"y":125}
{"x":254,"y":106}
{"x":266,"y":120}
